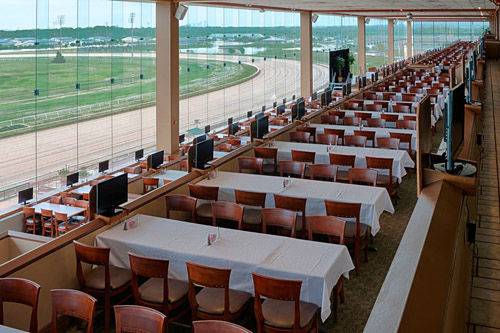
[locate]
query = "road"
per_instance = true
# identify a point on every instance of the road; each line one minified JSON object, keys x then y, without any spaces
{"x":45,"y":152}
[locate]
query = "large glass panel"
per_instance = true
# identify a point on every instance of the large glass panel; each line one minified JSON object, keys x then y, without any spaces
{"x":400,"y":47}
{"x":376,"y":42}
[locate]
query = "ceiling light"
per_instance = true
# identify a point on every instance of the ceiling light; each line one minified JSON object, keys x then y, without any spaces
{"x":409,"y":16}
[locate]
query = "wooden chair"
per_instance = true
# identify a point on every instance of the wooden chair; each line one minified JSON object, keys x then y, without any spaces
{"x":390,"y":118}
{"x":355,"y":141}
{"x":352,"y":121}
{"x":323,"y":172}
{"x":149,"y":184}
{"x":21,"y":291}
{"x":327,"y":139}
{"x":338,"y":132}
{"x":303,"y":156}
{"x":411,"y":98}
{"x":404,"y":138}
{"x":364,"y":116}
{"x":268,"y":155}
{"x":215,"y":300}
{"x":337,"y":113}
{"x":75,"y":304}
{"x":351,"y":106}
{"x":252,"y":202}
{"x":411,"y":118}
{"x":369,"y":135}
{"x":279,"y":218}
{"x":329,"y":119}
{"x":167,"y":295}
{"x":80,"y":219}
{"x":219,"y":326}
{"x":406,"y":124}
{"x":254,"y":164}
{"x":181,"y":203}
{"x":362,"y":176}
{"x":298,"y":205}
{"x":388,"y":143}
{"x":310,"y":130}
{"x":292,"y":169}
{"x":400,"y":108}
{"x":282,"y":310}
{"x":135,"y":318}
{"x":228,"y":212}
{"x":356,"y":233}
{"x":205,"y":196}
{"x":63,"y":224}
{"x":345,"y":161}
{"x":372,"y":107}
{"x":29,"y":220}
{"x":235,"y":142}
{"x":55,"y":200}
{"x":65,"y":194}
{"x":384,"y":180}
{"x":134,"y":170}
{"x":47,"y":222}
{"x":303,"y":137}
{"x":103,"y":282}
{"x":226,"y":147}
{"x":376,"y":122}
{"x":68,"y":201}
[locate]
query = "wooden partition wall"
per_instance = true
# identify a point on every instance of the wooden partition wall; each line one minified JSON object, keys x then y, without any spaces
{"x":424,"y":138}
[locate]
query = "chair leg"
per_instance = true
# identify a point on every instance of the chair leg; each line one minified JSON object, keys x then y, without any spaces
{"x":107,"y":312}
{"x":357,"y":254}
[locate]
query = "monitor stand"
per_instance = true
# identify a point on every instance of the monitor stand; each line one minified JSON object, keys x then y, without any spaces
{"x":461,"y":169}
{"x":112,"y":212}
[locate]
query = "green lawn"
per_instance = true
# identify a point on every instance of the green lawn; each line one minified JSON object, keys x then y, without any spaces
{"x":60,"y":102}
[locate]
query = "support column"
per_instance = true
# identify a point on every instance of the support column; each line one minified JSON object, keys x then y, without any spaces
{"x":306,"y":69}
{"x":361,"y":45}
{"x":390,"y":41}
{"x":167,"y":77}
{"x":494,"y":24}
{"x":409,"y":38}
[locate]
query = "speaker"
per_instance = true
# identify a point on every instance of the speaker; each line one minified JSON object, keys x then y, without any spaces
{"x":314,"y":17}
{"x":181,"y":12}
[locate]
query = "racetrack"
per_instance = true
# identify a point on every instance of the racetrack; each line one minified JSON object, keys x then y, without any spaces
{"x":47,"y":151}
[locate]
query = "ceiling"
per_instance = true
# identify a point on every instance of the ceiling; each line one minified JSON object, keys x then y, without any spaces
{"x":425,"y":9}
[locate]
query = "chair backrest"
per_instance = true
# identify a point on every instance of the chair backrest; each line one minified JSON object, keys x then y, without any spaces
{"x":363,"y":115}
{"x":250,"y":198}
{"x":369,"y":135}
{"x":135,"y":318}
{"x":22,"y":291}
{"x":392,"y":118}
{"x":300,"y":137}
{"x":409,"y":118}
{"x":181,"y":203}
{"x":400,"y":108}
{"x":323,"y":172}
{"x":69,"y":201}
{"x":329,"y":119}
{"x":292,"y":168}
{"x":55,"y":200}
{"x":411,"y":98}
{"x":228,"y":211}
{"x":376,"y":122}
{"x":389,"y":143}
{"x":345,"y":210}
{"x":363,"y":176}
{"x":255,"y":164}
{"x":28,"y":212}
{"x":46,"y":213}
{"x":277,"y":289}
{"x":355,"y":140}
{"x":150,"y":183}
{"x":91,"y":255}
{"x":290,"y":203}
{"x":379,"y":163}
{"x":144,"y":267}
{"x":211,"y":277}
{"x":266,"y":152}
{"x":352,"y":121}
{"x":135,"y":169}
{"x":204,"y":192}
{"x":219,"y":326}
{"x":224,"y":147}
{"x":279,"y":217}
{"x":303,"y":156}
{"x":343,"y":160}
{"x":372,"y":107}
{"x":73,"y":303}
{"x":338,"y":132}
{"x":406,"y":124}
{"x":330,"y":226}
{"x":403,"y":138}
{"x":327,"y":139}
{"x":60,"y":217}
{"x":337,"y":113}
{"x":234,"y":141}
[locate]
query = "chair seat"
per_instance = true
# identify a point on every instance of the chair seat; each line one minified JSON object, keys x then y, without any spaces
{"x":350,"y":229}
{"x":152,"y":290}
{"x":384,"y":180}
{"x":118,"y":276}
{"x":62,"y":226}
{"x":268,"y":168}
{"x":252,"y":215}
{"x":280,"y":313}
{"x":204,"y":209}
{"x":211,"y":300}
{"x":79,"y":218}
{"x":29,"y":221}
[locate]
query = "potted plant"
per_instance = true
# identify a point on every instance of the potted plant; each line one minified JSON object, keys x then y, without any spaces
{"x":339,"y":65}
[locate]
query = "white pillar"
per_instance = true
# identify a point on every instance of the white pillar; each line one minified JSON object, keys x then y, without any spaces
{"x":361,"y":45}
{"x":390,"y":41}
{"x":409,"y":38}
{"x":306,"y":69}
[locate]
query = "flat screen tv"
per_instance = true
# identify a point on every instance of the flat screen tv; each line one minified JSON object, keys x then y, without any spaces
{"x":182,"y":137}
{"x":280,"y":109}
{"x":301,"y":109}
{"x":259,"y":128}
{"x":139,"y":154}
{"x":203,"y":153}
{"x":328,"y":96}
{"x":199,"y":139}
{"x":314,"y":96}
{"x":72,"y":179}
{"x":294,"y":112}
{"x":233,"y":128}
{"x":155,"y":160}
{"x":249,"y":114}
{"x":110,"y":194}
{"x":207,"y":129}
{"x":25,"y":195}
{"x":103,"y":166}
{"x":454,"y":124}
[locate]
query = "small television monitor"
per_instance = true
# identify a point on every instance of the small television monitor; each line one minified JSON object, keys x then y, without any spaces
{"x":363,"y":81}
{"x":207,"y":129}
{"x":280,"y":109}
{"x":323,"y":99}
{"x":25,"y":195}
{"x":263,"y":108}
{"x":110,"y":194}
{"x":275,"y":104}
{"x":284,"y":100}
{"x":229,"y":121}
{"x":203,"y":153}
{"x":233,"y":129}
{"x":259,"y":128}
{"x":72,"y":179}
{"x":249,"y":114}
{"x":454,"y":124}
{"x":103,"y":166}
{"x":139,"y":154}
{"x":199,"y":139}
{"x":314,"y":96}
{"x":376,"y":76}
{"x":294,"y":112}
{"x":301,"y":109}
{"x":182,"y":138}
{"x":293,"y":97}
{"x":328,"y":93}
{"x":259,"y":115}
{"x":156,"y":159}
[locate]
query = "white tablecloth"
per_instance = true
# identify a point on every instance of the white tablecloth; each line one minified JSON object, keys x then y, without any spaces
{"x":377,"y":114}
{"x":379,"y":132}
{"x":374,"y":200}
{"x":401,"y":158}
{"x":317,"y":265}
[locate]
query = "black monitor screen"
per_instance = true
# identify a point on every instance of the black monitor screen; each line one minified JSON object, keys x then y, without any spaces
{"x":139,"y":154}
{"x":103,"y":166}
{"x":182,"y":137}
{"x":25,"y":195}
{"x":199,"y":139}
{"x":301,"y":109}
{"x":275,"y":104}
{"x":284,"y":100}
{"x":263,"y":108}
{"x":111,"y":193}
{"x":259,"y":128}
{"x":72,"y":179}
{"x":233,"y":128}
{"x":328,"y":93}
{"x":203,"y":153}
{"x":294,"y":112}
{"x":314,"y":96}
{"x":207,"y":129}
{"x":281,"y":109}
{"x":259,"y":115}
{"x":229,"y":121}
{"x":249,"y":114}
{"x":454,"y":123}
{"x":156,"y":159}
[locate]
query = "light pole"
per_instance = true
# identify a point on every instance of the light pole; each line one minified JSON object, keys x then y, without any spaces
{"x":131,"y":21}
